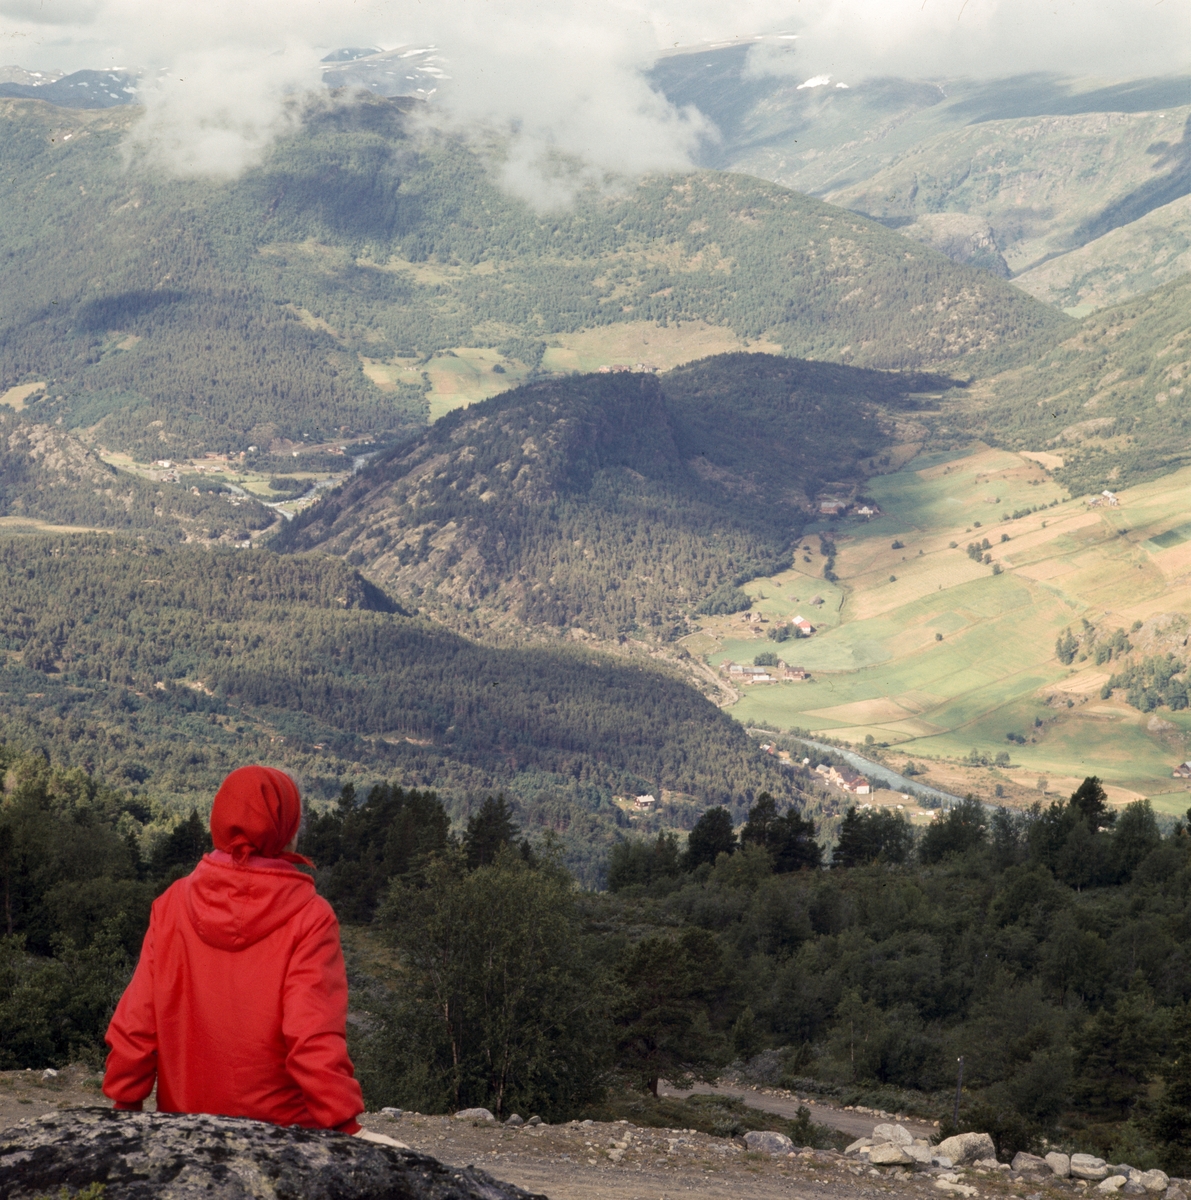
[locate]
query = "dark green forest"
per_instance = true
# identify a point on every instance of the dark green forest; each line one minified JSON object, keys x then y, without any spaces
{"x":1046,"y":946}
{"x":160,"y":669}
{"x":171,"y":312}
{"x":614,"y":503}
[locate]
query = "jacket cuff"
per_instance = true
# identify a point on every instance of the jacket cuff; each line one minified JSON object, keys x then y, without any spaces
{"x":350,"y":1127}
{"x":128,"y":1105}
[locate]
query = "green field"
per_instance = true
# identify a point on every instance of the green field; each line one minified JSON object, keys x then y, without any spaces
{"x":924,"y":649}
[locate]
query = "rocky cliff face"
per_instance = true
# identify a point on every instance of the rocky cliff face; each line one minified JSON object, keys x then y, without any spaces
{"x":162,"y":1156}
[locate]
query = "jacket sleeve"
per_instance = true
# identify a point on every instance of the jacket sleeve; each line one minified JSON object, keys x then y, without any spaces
{"x":314,"y":1024}
{"x":132,"y":1035}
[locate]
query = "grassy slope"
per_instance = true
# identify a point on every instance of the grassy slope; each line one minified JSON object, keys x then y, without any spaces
{"x":881,"y":671}
{"x":1145,"y":254}
{"x":258,"y":304}
{"x":1109,"y":397}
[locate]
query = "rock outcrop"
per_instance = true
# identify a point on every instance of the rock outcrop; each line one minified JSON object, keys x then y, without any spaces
{"x":162,"y":1156}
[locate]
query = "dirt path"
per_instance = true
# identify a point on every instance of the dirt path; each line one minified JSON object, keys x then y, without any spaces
{"x":785,"y":1104}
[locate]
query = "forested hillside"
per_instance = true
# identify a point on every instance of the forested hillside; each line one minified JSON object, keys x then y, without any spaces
{"x":49,"y":475}
{"x":1109,"y":396}
{"x":617,"y":503}
{"x":1046,"y":948}
{"x":182,"y":316}
{"x":163,"y":669}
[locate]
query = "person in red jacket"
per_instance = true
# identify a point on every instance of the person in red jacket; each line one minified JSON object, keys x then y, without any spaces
{"x":238,"y":1005}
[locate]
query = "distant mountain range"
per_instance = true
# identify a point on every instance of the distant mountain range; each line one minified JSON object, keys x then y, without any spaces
{"x":305,"y":299}
{"x":1028,"y":177}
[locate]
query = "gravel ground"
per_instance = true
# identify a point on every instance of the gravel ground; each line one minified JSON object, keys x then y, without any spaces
{"x":613,"y":1161}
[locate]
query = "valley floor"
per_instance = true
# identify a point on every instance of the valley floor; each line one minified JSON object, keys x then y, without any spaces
{"x":921,"y":647}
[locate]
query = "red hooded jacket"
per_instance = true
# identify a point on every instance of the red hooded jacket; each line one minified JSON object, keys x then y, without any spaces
{"x":238,"y":1006}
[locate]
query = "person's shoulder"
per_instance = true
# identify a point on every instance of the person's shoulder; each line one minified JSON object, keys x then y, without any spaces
{"x":317,"y":913}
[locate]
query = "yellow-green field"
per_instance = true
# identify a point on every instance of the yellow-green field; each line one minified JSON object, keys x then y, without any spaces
{"x":17,"y":397}
{"x":924,"y":649}
{"x":465,"y":374}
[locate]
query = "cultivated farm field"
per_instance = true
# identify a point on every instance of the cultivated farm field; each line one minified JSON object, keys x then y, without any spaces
{"x":928,"y":651}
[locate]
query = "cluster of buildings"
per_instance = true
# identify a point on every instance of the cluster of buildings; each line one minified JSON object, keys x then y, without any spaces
{"x":830,"y":506}
{"x":620,"y":368}
{"x":739,"y":673}
{"x":799,"y":622}
{"x":1106,"y":499}
{"x":846,"y":778}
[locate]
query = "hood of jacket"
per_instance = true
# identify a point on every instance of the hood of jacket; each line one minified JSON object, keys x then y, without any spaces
{"x":232,"y":907}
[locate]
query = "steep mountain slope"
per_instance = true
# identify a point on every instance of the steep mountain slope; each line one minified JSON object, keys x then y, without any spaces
{"x":1045,"y":184}
{"x":1145,"y":254}
{"x":187,"y":315}
{"x":611,"y":503}
{"x":1110,"y":399}
{"x":1005,"y":171}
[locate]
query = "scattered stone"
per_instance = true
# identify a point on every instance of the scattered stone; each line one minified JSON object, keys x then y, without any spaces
{"x":948,"y":1185}
{"x":1088,"y":1166}
{"x":169,"y":1156}
{"x":768,"y":1141}
{"x":1059,"y":1163}
{"x":474,"y":1114}
{"x":534,"y":1120}
{"x":899,"y":1135}
{"x":1113,"y":1183}
{"x":49,"y":1073}
{"x":391,"y":1112}
{"x":965,"y":1148}
{"x":889,"y":1154}
{"x":1154,"y":1181}
{"x":941,"y":1160}
{"x":1030,"y":1162}
{"x":515,"y":1122}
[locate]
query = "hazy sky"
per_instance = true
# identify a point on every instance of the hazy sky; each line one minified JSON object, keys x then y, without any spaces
{"x":561,"y":75}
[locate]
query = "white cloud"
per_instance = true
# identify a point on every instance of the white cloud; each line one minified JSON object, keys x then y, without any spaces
{"x":561,"y":78}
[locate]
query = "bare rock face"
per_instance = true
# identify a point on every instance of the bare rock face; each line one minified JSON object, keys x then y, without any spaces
{"x":165,"y":1156}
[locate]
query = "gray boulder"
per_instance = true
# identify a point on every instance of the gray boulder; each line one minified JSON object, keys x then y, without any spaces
{"x":1154,"y":1181}
{"x":920,"y":1152}
{"x":965,"y":1148}
{"x":1088,"y":1166}
{"x":474,"y":1114}
{"x":1030,"y":1162}
{"x":1059,"y":1163}
{"x":899,"y":1135}
{"x":858,"y":1145}
{"x":166,"y":1156}
{"x":766,"y":1141}
{"x":889,"y":1154}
